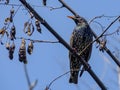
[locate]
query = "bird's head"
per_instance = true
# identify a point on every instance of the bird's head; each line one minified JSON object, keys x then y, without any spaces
{"x":78,"y":20}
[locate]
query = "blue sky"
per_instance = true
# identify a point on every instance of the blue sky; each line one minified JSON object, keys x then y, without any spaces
{"x":48,"y":61}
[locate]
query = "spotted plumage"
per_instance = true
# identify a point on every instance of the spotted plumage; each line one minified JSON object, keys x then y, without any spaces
{"x":80,"y":38}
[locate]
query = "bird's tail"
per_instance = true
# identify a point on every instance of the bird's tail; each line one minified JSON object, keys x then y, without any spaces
{"x":74,"y":77}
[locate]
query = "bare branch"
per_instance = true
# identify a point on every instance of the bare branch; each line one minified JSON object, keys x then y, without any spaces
{"x":101,"y":16}
{"x":26,"y":75}
{"x":30,"y":85}
{"x":95,"y":18}
{"x":109,"y":27}
{"x":66,"y":6}
{"x":38,"y":41}
{"x":116,"y":31}
{"x":48,"y":87}
{"x":54,"y":8}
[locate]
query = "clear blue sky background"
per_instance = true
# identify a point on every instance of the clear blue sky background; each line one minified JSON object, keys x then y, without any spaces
{"x":48,"y":61}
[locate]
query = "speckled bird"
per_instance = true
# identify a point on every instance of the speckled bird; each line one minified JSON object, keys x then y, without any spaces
{"x":80,"y":38}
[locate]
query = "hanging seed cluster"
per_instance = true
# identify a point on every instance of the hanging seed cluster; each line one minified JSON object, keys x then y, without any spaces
{"x":28,"y":28}
{"x":22,"y":50}
{"x":9,"y":30}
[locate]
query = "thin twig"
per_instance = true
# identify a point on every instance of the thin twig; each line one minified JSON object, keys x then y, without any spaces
{"x":102,"y":27}
{"x":101,"y":16}
{"x":13,"y":17}
{"x":70,"y":9}
{"x":95,"y":18}
{"x":108,"y":27}
{"x":10,"y":4}
{"x":30,"y":85}
{"x":38,"y":41}
{"x":26,"y":75}
{"x":116,"y":31}
{"x":57,"y":79}
{"x":54,"y":8}
{"x":60,"y":77}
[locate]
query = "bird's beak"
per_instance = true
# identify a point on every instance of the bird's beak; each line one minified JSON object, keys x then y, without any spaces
{"x":72,"y":17}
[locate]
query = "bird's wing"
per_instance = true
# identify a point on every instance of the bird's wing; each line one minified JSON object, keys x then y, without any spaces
{"x":88,"y":53}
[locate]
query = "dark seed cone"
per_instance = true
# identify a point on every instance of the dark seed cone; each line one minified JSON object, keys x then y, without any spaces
{"x":13,"y":33}
{"x":11,"y":56}
{"x":39,"y":29}
{"x":7,"y":45}
{"x":11,"y":15}
{"x":22,"y":53}
{"x":44,"y":2}
{"x":13,"y":46}
{"x":7,"y":1}
{"x":30,"y":48}
{"x":25,"y":25}
{"x":37,"y":23}
{"x":11,"y":51}
{"x":12,"y":11}
{"x":29,"y":30}
{"x":11,"y":18}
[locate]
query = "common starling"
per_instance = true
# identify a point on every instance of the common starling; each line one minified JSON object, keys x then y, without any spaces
{"x":80,"y":38}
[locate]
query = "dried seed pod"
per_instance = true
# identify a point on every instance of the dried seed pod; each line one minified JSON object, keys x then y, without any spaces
{"x":12,"y":33}
{"x":25,"y":25}
{"x":30,"y":48}
{"x":7,"y":45}
{"x":32,"y":29}
{"x":23,"y":41}
{"x":1,"y":43}
{"x":7,"y":19}
{"x":11,"y":53}
{"x":29,"y":30}
{"x":12,"y":11}
{"x":11,"y":18}
{"x":22,"y":52}
{"x":7,"y":1}
{"x":37,"y":23}
{"x":31,"y":15}
{"x":7,"y":34}
{"x":13,"y":46}
{"x":11,"y":50}
{"x":102,"y":45}
{"x":2,"y":32}
{"x":44,"y":2}
{"x":11,"y":14}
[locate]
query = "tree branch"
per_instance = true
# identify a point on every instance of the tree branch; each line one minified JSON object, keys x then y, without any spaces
{"x":38,"y":41}
{"x":66,"y":6}
{"x":27,"y":76}
{"x":30,"y":85}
